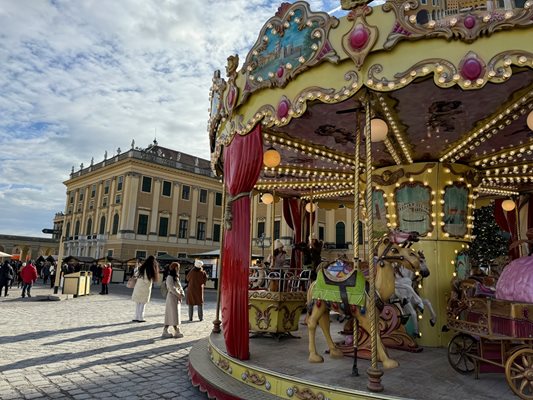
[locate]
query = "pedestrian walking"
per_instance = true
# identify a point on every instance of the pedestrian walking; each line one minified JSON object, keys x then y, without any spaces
{"x":196,"y":279}
{"x":6,"y":276}
{"x":147,"y":274}
{"x":45,"y":272}
{"x":52,"y":275}
{"x":29,"y":275}
{"x":173,"y":302}
{"x":106,"y":278}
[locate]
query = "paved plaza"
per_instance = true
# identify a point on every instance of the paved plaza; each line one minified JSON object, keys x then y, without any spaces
{"x":88,"y":348}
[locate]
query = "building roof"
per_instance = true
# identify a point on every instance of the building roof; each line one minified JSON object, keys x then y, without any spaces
{"x":154,"y":154}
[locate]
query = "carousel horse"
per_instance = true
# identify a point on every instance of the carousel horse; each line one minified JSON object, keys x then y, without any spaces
{"x":333,"y":289}
{"x":409,"y":299}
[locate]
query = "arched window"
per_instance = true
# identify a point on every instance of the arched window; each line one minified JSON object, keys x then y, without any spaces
{"x":115,"y":224}
{"x":340,"y":235}
{"x":102,"y":225}
{"x":77,"y":228}
{"x":67,"y":233}
{"x":89,"y":230}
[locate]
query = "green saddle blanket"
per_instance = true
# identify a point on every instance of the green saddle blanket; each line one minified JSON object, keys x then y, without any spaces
{"x":331,"y":292}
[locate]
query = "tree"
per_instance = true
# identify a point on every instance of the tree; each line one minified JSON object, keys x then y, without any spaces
{"x":489,"y":241}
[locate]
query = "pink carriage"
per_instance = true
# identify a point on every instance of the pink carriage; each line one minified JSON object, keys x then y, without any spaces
{"x":496,"y":334}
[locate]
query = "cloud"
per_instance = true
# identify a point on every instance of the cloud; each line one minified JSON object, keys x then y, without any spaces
{"x":81,"y":78}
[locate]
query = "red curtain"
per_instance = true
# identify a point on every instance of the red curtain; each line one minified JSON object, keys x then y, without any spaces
{"x":293,"y":214}
{"x":243,"y":160}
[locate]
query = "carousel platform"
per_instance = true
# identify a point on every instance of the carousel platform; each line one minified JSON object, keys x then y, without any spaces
{"x":279,"y":369}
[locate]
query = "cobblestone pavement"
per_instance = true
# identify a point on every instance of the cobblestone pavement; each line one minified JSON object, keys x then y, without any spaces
{"x":88,"y":348}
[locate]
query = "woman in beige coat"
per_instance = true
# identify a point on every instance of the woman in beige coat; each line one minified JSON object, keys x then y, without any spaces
{"x":147,"y":274}
{"x":173,"y":302}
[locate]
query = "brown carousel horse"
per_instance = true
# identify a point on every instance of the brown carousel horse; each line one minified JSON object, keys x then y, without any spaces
{"x":392,"y":250}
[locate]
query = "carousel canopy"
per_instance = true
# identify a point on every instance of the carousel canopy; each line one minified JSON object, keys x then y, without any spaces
{"x":449,"y":86}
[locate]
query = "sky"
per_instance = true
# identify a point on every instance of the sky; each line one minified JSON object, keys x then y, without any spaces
{"x":79,"y":78}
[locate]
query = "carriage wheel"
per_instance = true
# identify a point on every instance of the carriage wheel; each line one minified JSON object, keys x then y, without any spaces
{"x":519,"y":373}
{"x":460,"y":351}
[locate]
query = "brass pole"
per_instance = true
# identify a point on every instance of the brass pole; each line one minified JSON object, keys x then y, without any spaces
{"x":374,"y":373}
{"x":217,"y":322}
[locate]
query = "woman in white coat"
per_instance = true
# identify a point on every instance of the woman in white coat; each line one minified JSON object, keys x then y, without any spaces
{"x":147,"y":274}
{"x":173,"y":302}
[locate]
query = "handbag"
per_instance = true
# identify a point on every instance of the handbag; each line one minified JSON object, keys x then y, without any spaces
{"x":131,"y":282}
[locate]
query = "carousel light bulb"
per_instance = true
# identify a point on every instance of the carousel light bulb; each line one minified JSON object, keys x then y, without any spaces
{"x":310,"y":207}
{"x":530,"y":120}
{"x":378,"y":130}
{"x":267,"y":198}
{"x":508,"y":205}
{"x":271,"y":158}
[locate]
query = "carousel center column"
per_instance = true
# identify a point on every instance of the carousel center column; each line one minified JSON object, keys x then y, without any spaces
{"x":437,"y":201}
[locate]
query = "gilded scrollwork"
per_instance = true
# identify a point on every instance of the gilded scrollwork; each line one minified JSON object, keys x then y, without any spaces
{"x":388,"y":177}
{"x":254,"y":378}
{"x":290,"y":316}
{"x":305,"y":393}
{"x":467,"y":26}
{"x":263,"y":318}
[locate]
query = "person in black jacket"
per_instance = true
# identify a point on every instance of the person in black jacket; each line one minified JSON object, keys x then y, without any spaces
{"x":6,"y":276}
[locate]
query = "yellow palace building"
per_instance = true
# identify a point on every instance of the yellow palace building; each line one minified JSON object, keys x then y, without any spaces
{"x":156,"y":200}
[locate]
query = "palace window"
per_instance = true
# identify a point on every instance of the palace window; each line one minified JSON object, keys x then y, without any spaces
{"x":216,"y":233}
{"x":203,"y":196}
{"x":93,"y":190}
{"x":167,"y":188}
{"x":200,"y":232}
{"x":115,"y":224}
{"x":218,"y":199}
{"x":185,"y":192}
{"x":163,"y":226}
{"x":182,"y":232}
{"x":102,"y":225}
{"x":146,"y":184}
{"x":142,"y":226}
{"x":106,"y":186}
{"x":120,"y":182}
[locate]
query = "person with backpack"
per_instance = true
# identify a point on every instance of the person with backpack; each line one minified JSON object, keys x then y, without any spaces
{"x":6,"y":276}
{"x":174,"y":294}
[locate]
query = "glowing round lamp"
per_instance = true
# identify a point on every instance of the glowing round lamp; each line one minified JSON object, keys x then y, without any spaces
{"x":530,"y":120}
{"x":267,"y":198}
{"x":310,"y":207}
{"x":508,"y":205}
{"x":378,"y":130}
{"x":271,"y":158}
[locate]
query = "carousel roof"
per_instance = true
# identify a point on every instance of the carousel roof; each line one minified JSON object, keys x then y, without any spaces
{"x":458,"y":89}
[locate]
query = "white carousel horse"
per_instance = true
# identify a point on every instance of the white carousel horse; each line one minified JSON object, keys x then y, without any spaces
{"x":390,"y":250}
{"x":409,"y":298}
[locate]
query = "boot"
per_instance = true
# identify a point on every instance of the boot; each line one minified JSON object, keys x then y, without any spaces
{"x":177,"y":333}
{"x":166,"y":334}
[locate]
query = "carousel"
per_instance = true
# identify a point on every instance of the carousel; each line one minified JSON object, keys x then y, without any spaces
{"x":412,"y":114}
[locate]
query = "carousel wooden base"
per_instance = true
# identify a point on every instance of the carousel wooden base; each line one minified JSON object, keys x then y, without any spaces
{"x":281,"y":370}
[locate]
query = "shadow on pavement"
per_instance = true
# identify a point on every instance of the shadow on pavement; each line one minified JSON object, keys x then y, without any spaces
{"x":31,"y":336}
{"x":97,"y":335}
{"x":61,"y":357}
{"x":129,"y":358}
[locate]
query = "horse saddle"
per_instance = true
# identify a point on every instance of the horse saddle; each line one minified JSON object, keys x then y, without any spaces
{"x":340,"y":282}
{"x":340,"y":273}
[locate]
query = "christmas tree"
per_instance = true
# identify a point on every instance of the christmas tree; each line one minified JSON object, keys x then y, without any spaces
{"x":489,"y":241}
